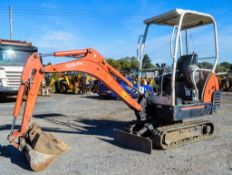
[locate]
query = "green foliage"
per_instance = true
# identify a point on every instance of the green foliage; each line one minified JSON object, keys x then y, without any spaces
{"x":206,"y":65}
{"x":225,"y":65}
{"x":147,"y":62}
{"x":129,"y":63}
{"x":114,"y":63}
{"x":126,"y":63}
{"x":134,"y":63}
{"x":220,"y":68}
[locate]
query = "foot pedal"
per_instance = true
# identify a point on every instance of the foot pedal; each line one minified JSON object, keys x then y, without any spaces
{"x":132,"y":141}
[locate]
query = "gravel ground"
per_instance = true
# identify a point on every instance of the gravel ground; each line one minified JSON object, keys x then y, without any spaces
{"x":86,"y":123}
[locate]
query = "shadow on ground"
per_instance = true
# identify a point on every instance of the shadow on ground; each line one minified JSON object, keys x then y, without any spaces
{"x":5,"y":99}
{"x":86,"y":126}
{"x":49,"y":115}
{"x":99,"y":128}
{"x":8,"y":127}
{"x":15,"y":156}
{"x":83,"y":126}
{"x":102,"y":129}
{"x":97,"y":97}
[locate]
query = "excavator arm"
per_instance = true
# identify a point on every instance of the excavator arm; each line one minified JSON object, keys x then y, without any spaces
{"x":94,"y":64}
{"x":87,"y":61}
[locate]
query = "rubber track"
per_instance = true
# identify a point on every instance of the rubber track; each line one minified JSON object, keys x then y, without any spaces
{"x":160,"y":132}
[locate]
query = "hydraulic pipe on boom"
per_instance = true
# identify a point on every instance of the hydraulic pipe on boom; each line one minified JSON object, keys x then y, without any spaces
{"x":89,"y":61}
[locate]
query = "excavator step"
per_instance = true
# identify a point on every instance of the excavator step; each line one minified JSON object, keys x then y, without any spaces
{"x":132,"y":141}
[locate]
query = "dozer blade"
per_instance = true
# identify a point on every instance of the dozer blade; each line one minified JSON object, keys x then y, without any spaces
{"x":132,"y":141}
{"x":40,"y":148}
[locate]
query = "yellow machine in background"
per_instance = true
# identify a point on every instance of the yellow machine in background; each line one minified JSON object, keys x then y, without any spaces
{"x":75,"y":83}
{"x":67,"y":84}
{"x":225,"y":82}
{"x":70,"y":84}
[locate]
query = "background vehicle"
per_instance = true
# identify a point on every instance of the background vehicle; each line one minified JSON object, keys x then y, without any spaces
{"x":67,"y":83}
{"x":13,"y":56}
{"x":225,"y":81}
{"x":103,"y":91}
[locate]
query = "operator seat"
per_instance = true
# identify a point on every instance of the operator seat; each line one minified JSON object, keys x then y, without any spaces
{"x":187,"y":71}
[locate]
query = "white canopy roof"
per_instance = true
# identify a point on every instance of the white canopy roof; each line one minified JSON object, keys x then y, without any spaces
{"x":191,"y":18}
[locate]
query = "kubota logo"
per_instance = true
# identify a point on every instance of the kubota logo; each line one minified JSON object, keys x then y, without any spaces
{"x":70,"y":65}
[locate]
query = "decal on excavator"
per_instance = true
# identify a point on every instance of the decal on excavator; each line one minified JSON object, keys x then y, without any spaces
{"x":71,"y":65}
{"x":125,"y":95}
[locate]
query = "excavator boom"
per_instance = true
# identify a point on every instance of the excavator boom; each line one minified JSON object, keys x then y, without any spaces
{"x":87,"y":61}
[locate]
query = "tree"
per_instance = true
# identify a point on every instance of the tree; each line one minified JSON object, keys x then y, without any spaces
{"x":147,"y":62}
{"x":114,"y":63}
{"x":220,"y":68}
{"x":129,"y":63}
{"x":125,"y":63}
{"x":134,"y":63}
{"x":205,"y":65}
{"x":225,"y":65}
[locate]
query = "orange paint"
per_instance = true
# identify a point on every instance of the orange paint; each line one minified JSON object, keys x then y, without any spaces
{"x":90,"y":62}
{"x":211,"y":86}
{"x":192,"y":107}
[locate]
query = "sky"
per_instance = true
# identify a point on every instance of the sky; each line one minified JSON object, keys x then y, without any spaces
{"x":111,"y":27}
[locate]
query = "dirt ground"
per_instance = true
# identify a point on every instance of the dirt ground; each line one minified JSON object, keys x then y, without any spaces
{"x":86,"y":123}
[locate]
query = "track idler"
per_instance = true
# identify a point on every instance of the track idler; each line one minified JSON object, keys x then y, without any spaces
{"x":41,"y":149}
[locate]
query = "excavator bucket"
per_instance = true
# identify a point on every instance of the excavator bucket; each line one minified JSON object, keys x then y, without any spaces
{"x":37,"y":160}
{"x":132,"y":141}
{"x":41,"y":149}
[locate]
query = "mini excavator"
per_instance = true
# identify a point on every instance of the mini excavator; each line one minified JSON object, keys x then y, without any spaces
{"x":189,"y":91}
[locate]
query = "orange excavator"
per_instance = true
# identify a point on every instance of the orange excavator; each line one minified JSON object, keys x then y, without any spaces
{"x":188,"y":92}
{"x":41,"y":148}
